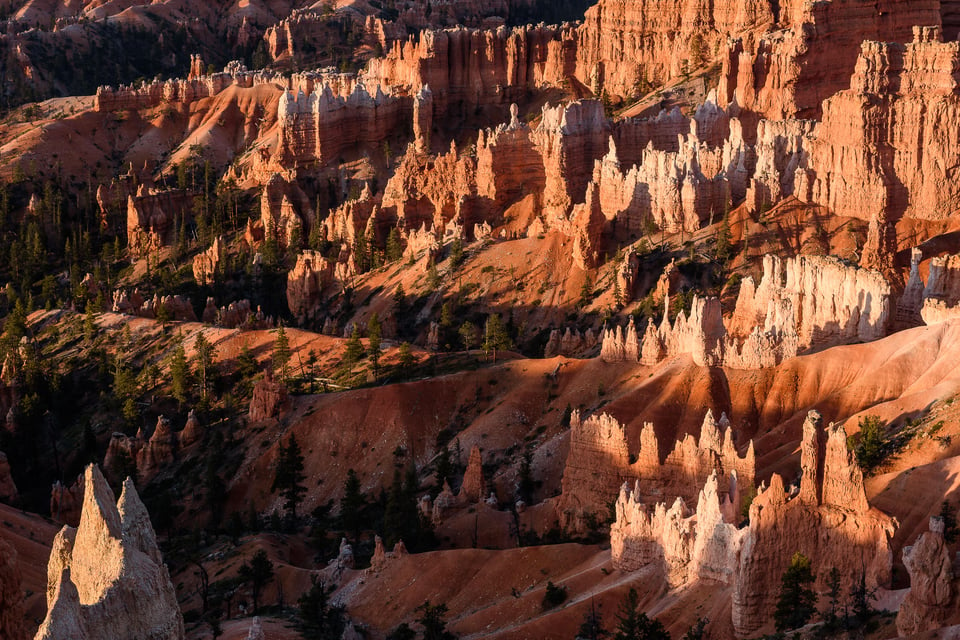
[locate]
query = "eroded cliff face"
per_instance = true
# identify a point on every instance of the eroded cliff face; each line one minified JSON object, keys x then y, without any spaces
{"x":624,"y":46}
{"x":790,"y":72}
{"x":106,"y":579}
{"x":801,"y":303}
{"x":153,"y":218}
{"x":886,"y":145}
{"x":827,"y":519}
{"x":599,"y":462}
{"x":8,"y":488}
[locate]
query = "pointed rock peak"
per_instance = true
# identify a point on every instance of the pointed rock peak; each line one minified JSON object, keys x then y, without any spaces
{"x":400,"y":549}
{"x":809,"y":459}
{"x":99,"y":505}
{"x":135,"y":523}
{"x":709,"y":434}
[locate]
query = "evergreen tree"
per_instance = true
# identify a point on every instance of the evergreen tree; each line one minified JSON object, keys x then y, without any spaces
{"x":180,"y":373}
{"x":394,"y":246}
{"x":433,"y":278}
{"x":406,"y":357}
{"x":289,"y":477}
{"x":633,"y":624}
{"x":373,"y":342}
{"x":399,"y":300}
{"x":456,"y":254}
{"x":797,"y":601}
{"x":281,"y":354}
{"x":258,"y":572}
{"x":204,"y":354}
{"x":592,"y":626}
{"x":468,"y":335}
{"x":351,"y":504}
{"x":354,"y":347}
{"x":431,"y":619}
{"x":495,"y":335}
{"x":319,"y":620}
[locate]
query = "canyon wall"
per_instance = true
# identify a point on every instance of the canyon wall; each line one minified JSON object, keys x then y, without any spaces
{"x":600,"y":460}
{"x":886,"y":145}
{"x":153,"y":216}
{"x":790,"y":72}
{"x":827,"y":519}
{"x":12,"y":615}
{"x":623,"y":46}
{"x":801,"y":303}
{"x":929,"y":563}
{"x":106,"y":578}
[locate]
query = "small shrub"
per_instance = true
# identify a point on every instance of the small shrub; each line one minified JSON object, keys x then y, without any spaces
{"x":554,"y":595}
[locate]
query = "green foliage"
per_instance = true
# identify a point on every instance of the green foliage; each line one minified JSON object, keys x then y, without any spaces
{"x":553,"y":596}
{"x":319,"y":620}
{"x":797,"y":601}
{"x":697,"y":630}
{"x":401,"y":518}
{"x":949,"y":516}
{"x":354,"y":347}
{"x":405,"y":357}
{"x":872,"y":447}
{"x":468,"y":335}
{"x":179,"y":373}
{"x":634,"y":624}
{"x":289,"y":476}
{"x":495,"y":336}
{"x":592,"y":626}
{"x":258,"y":572}
{"x":351,"y":504}
{"x":431,"y":619}
{"x":374,"y":341}
{"x":281,"y":354}
{"x":204,"y":354}
{"x":456,"y":254}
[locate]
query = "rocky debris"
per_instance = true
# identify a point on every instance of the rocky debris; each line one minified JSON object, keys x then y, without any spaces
{"x":829,"y":521}
{"x":256,"y":630}
{"x":474,"y":486}
{"x":205,"y":265}
{"x":930,"y":566}
{"x":872,"y":125}
{"x":269,"y":398}
{"x":8,"y":489}
{"x":153,"y":218}
{"x":106,"y":578}
{"x":132,"y":303}
{"x":599,"y":462}
{"x":306,"y":282}
{"x":570,"y":343}
{"x":12,"y":615}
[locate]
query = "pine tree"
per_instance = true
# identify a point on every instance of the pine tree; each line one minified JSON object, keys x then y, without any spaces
{"x":354,"y":347}
{"x":592,"y":626}
{"x":394,"y":246}
{"x":633,"y":624}
{"x":281,"y":354}
{"x":351,"y":504}
{"x":258,"y":572}
{"x":318,"y":618}
{"x":204,"y":354}
{"x":456,"y":254}
{"x":406,"y":357}
{"x":431,"y":619}
{"x":468,"y":335}
{"x":495,"y":335}
{"x":289,"y":477}
{"x":797,"y":601}
{"x":180,"y":373}
{"x":373,"y":342}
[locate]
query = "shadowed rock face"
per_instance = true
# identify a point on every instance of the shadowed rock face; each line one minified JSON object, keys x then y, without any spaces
{"x":11,"y":595}
{"x":106,"y":578}
{"x":931,"y":571}
{"x":828,"y":520}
